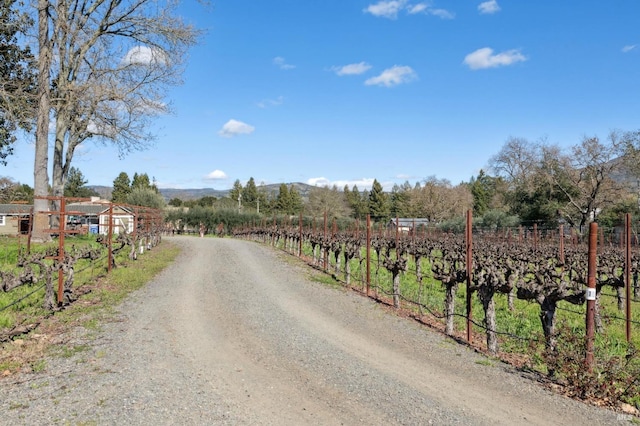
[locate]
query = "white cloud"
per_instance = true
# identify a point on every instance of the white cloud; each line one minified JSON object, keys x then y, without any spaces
{"x":265,"y":103}
{"x":393,"y":76}
{"x":489,"y":7}
{"x":417,"y":8}
{"x":143,"y":55}
{"x":234,"y":128}
{"x":352,"y":69}
{"x":216,"y":175}
{"x":485,"y":58}
{"x":282,"y":64}
{"x":628,"y":48}
{"x":390,"y":8}
{"x":386,"y":9}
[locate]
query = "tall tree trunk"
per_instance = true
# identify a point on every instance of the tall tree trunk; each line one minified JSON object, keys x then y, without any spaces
{"x":41,"y":160}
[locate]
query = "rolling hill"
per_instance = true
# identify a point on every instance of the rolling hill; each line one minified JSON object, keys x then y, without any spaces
{"x":186,"y":194}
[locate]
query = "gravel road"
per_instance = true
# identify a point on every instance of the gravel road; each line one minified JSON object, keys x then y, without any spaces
{"x":236,"y":333}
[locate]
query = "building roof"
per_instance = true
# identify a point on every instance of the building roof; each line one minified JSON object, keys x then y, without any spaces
{"x":409,"y":222}
{"x":80,"y":209}
{"x":15,"y":209}
{"x":95,"y":209}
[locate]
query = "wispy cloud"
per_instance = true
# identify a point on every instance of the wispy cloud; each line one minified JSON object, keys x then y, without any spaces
{"x":393,"y":76}
{"x":417,"y":8}
{"x":266,"y":103}
{"x":234,"y":128}
{"x":351,"y":69}
{"x":216,"y":175}
{"x":628,"y":48}
{"x":485,"y":58}
{"x":391,"y":8}
{"x":441,"y":13}
{"x":489,"y":7}
{"x":282,"y":64}
{"x":386,"y":9}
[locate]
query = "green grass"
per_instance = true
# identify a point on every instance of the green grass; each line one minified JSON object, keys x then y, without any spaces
{"x":520,"y":329}
{"x":98,"y":304}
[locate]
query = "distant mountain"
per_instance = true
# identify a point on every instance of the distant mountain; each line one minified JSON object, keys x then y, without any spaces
{"x":103,"y":191}
{"x":196,"y":193}
{"x":192,"y":194}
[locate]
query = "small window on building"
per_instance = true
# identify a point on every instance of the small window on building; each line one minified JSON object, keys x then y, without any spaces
{"x":2,"y":220}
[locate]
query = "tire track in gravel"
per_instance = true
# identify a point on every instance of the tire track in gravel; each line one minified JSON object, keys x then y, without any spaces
{"x":293,"y":351}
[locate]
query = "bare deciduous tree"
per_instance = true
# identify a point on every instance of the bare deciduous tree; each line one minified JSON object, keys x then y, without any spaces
{"x":438,"y":200}
{"x":113,"y":62}
{"x":329,"y":200}
{"x":516,"y":161}
{"x":585,"y":175}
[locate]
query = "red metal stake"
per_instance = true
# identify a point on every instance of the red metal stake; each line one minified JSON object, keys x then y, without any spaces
{"x":591,"y":294}
{"x":469,"y":244}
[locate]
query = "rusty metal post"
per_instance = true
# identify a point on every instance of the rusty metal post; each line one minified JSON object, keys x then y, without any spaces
{"x":591,"y":294}
{"x":535,"y":236}
{"x":110,"y":237}
{"x":627,"y":272}
{"x":325,"y":253}
{"x":469,"y":262}
{"x":300,"y":232}
{"x":368,"y":253}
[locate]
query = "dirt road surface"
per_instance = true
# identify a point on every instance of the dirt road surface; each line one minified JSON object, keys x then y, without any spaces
{"x":236,"y":333}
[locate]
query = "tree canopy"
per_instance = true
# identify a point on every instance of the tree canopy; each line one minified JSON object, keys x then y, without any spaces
{"x":17,"y":77}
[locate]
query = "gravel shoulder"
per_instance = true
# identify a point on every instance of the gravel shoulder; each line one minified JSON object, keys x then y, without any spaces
{"x":236,"y":333}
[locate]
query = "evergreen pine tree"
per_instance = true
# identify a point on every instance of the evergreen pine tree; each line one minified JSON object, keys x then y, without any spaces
{"x":236,"y":191}
{"x":121,"y":188}
{"x":250,"y":194}
{"x":76,"y":185}
{"x":379,"y":206}
{"x":295,"y":201}
{"x":141,"y":181}
{"x":283,"y":200}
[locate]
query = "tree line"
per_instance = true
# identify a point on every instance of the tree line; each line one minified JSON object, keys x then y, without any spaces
{"x":525,"y":183}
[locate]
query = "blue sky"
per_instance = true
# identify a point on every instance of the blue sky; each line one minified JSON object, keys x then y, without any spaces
{"x":345,"y":91}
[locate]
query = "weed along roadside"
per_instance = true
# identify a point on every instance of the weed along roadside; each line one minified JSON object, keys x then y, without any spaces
{"x":97,"y":292}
